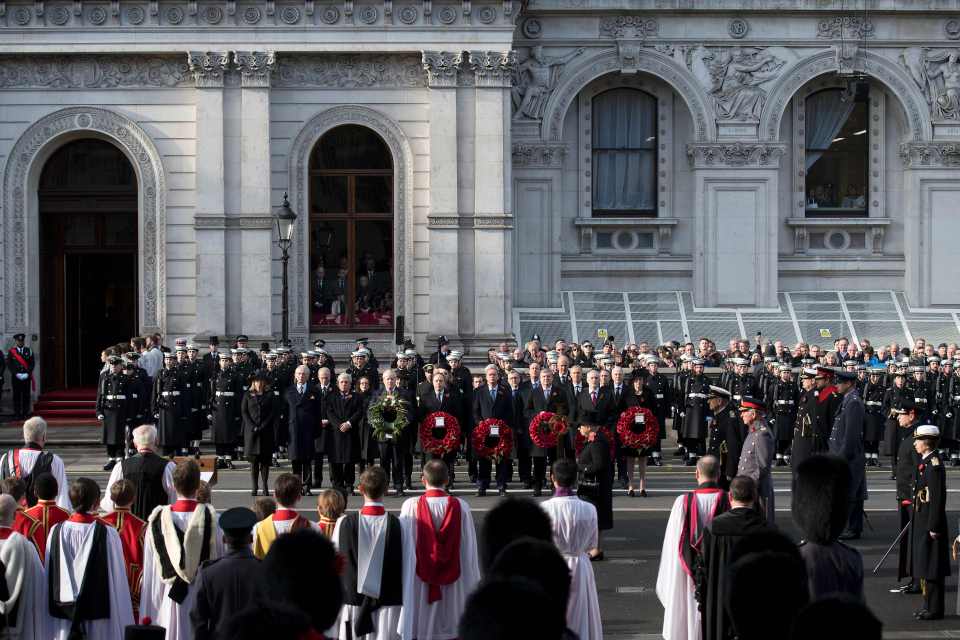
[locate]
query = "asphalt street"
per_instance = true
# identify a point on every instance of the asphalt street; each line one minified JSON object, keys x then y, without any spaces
{"x":627,"y":578}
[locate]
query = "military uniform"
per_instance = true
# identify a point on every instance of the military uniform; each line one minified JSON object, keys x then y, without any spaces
{"x":950,"y":418}
{"x":115,"y":408}
{"x":20,"y":362}
{"x":171,"y":408}
{"x":756,"y":461}
{"x":874,"y":418}
{"x":196,"y":376}
{"x":931,"y":561}
{"x":661,"y":395}
{"x":226,"y":393}
{"x":782,"y":404}
{"x":846,"y":441}
{"x":693,"y":432}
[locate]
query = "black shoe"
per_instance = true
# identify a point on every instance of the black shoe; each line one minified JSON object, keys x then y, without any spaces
{"x":909,"y":588}
{"x":849,"y":535}
{"x":781,"y":462}
{"x":643,"y":493}
{"x":537,"y":492}
{"x":229,"y":464}
{"x":502,"y":492}
{"x":926,"y":615}
{"x":631,"y":493}
{"x":657,"y":461}
{"x":527,"y":484}
{"x":893,"y":476}
{"x":598,"y":558}
{"x":111,"y":463}
{"x":481,"y":492}
{"x":400,"y":492}
{"x":255,"y":493}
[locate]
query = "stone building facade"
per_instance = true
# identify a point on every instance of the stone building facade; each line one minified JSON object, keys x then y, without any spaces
{"x":526,"y":149}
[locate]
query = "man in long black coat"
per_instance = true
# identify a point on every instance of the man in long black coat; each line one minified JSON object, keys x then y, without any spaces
{"x":343,"y":410}
{"x":441,"y":397}
{"x":931,"y":560}
{"x":719,"y":539}
{"x":907,"y":461}
{"x":393,"y":451}
{"x":545,"y":397}
{"x":226,"y":392}
{"x":846,"y":441}
{"x":304,"y":411}
{"x":493,"y":400}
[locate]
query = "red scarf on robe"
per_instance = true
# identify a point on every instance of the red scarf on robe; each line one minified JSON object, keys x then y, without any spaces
{"x":438,"y":551}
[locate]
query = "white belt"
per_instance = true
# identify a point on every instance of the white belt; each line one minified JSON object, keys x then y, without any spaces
{"x":923,"y":400}
{"x":738,"y":397}
{"x":873,"y":403}
{"x":956,"y":398}
{"x":199,"y":385}
{"x":697,"y":395}
{"x":121,"y":397}
{"x":784,"y":401}
{"x":169,"y":393}
{"x":659,"y":396}
{"x":229,"y":394}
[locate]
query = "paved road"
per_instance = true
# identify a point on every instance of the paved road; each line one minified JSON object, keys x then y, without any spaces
{"x":627,"y":578}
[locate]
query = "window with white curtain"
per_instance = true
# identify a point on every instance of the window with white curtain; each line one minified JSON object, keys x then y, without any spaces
{"x":624,"y":153}
{"x":836,"y":126}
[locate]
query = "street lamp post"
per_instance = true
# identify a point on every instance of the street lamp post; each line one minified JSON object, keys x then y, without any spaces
{"x":285,"y":219}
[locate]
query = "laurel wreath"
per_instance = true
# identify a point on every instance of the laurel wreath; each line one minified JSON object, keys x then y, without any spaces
{"x":388,"y":417}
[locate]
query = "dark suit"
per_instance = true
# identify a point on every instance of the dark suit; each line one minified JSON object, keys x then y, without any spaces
{"x":395,"y":454}
{"x":499,"y":407}
{"x":342,"y":447}
{"x":224,"y":586}
{"x":450,"y":403}
{"x":320,"y":440}
{"x":304,"y":412}
{"x":558,"y":401}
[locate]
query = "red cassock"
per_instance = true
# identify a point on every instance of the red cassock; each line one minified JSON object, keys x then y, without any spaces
{"x":29,"y":527}
{"x":47,"y":513}
{"x":131,"y":530}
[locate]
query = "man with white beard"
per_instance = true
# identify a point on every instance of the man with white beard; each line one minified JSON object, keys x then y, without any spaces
{"x":86,"y":576}
{"x":25,"y":605}
{"x":689,"y":517}
{"x":180,"y":537}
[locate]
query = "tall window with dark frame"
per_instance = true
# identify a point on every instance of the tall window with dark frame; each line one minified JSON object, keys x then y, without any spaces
{"x":351,"y":231}
{"x":837,"y":132}
{"x":624,"y":123}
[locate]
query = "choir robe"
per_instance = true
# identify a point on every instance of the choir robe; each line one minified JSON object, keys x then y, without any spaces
{"x":131,"y":530}
{"x":675,"y":584}
{"x":28,"y":457}
{"x":270,"y":528}
{"x":26,"y":588}
{"x":155,"y":600}
{"x":372,"y":543}
{"x":47,"y":514}
{"x":74,"y":561}
{"x":575,"y":532}
{"x":438,"y":620}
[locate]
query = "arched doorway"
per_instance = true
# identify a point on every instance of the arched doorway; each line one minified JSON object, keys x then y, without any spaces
{"x":351,"y":231}
{"x":88,"y":259}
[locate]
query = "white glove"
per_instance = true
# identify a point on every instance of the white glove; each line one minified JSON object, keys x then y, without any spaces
{"x":23,"y":376}
{"x":99,"y":416}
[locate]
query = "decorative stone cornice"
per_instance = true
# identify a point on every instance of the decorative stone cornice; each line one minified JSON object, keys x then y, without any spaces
{"x":469,"y":222}
{"x":493,"y":68}
{"x":92,"y":71}
{"x":208,"y":67}
{"x":630,"y":27}
{"x":719,"y":155}
{"x":546,"y":155}
{"x":255,"y":67}
{"x":442,"y":67}
{"x":917,"y":155}
{"x":348,"y":71}
{"x":850,"y":26}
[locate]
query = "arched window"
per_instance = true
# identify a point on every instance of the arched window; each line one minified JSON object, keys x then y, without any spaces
{"x":836,"y":126}
{"x":624,"y":124}
{"x":351,"y":230}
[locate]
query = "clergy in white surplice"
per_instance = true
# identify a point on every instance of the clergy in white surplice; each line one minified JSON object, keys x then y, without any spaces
{"x":372,"y":542}
{"x":25,"y":605}
{"x":171,"y":559}
{"x":575,"y":532}
{"x":32,"y":460}
{"x":86,"y":577}
{"x":440,"y":568}
{"x":689,"y":517}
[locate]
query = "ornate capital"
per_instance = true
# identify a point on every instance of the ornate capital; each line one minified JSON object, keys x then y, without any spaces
{"x":934,"y":155}
{"x":442,"y":67}
{"x":539,"y":154}
{"x":255,"y":67}
{"x":735,"y":154}
{"x":493,"y":68}
{"x":208,"y":67}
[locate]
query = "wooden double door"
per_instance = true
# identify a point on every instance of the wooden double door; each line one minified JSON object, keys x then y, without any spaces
{"x":88,"y":260}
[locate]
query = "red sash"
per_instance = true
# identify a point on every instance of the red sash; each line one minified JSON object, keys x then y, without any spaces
{"x":23,"y":363}
{"x":438,"y":552}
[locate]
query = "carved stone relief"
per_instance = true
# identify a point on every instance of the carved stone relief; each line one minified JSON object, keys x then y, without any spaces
{"x":845,"y":26}
{"x":736,"y":154}
{"x":342,"y":71}
{"x":930,"y":154}
{"x":734,"y":77}
{"x":536,"y":78}
{"x":92,"y":71}
{"x":628,"y":27}
{"x":937,"y":73}
{"x":442,"y":67}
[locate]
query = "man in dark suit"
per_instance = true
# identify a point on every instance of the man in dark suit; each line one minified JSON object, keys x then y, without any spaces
{"x":545,"y":397}
{"x":211,"y":359}
{"x":521,"y":437}
{"x":230,"y":583}
{"x":442,"y":398}
{"x":395,"y":450}
{"x":595,"y":401}
{"x":305,"y":410}
{"x":492,"y":400}
{"x":343,"y":409}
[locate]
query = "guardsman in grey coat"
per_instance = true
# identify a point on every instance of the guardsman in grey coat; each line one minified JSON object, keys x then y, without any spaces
{"x":756,"y":458}
{"x":846,"y":441}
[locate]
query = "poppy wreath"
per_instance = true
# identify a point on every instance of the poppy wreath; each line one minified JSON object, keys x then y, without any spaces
{"x":642,"y":439}
{"x":579,"y":441}
{"x":482,"y":431}
{"x":546,"y":429}
{"x":451,"y":438}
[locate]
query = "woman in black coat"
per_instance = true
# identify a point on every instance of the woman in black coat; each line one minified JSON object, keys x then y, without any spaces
{"x":596,"y":479}
{"x":258,"y":412}
{"x":640,"y":396}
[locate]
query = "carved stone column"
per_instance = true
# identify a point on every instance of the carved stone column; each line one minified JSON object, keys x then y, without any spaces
{"x":208,"y":69}
{"x":442,"y":69}
{"x":493,"y":222}
{"x":736,"y":222}
{"x":255,"y":232}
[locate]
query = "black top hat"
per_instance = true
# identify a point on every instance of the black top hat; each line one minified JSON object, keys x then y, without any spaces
{"x":264,"y":346}
{"x":442,"y":340}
